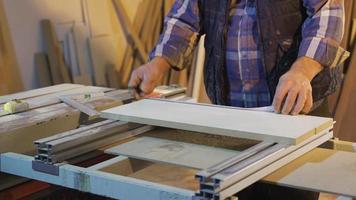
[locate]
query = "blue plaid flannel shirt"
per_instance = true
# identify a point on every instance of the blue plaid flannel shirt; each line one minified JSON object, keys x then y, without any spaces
{"x":246,"y":76}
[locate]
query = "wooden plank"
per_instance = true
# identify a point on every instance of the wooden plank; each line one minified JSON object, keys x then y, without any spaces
{"x":52,"y":51}
{"x":221,"y":120}
{"x":63,"y":30}
{"x":140,"y":25}
{"x":20,"y":130}
{"x":38,"y":92}
{"x":62,"y":66}
{"x":130,"y":33}
{"x":9,"y":70}
{"x":50,"y":99}
{"x":59,"y":71}
{"x":199,"y":67}
{"x":81,"y":37}
{"x":322,"y":170}
{"x":172,"y":152}
{"x":41,"y":63}
{"x":156,"y":26}
{"x":73,"y":63}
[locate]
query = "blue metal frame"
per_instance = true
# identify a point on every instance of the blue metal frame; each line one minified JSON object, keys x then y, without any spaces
{"x":93,"y":181}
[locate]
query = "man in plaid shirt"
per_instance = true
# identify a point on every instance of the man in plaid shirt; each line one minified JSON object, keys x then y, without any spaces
{"x":257,"y":37}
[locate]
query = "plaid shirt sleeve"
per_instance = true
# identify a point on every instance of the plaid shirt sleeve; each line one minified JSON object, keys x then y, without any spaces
{"x":323,"y":30}
{"x":180,"y":34}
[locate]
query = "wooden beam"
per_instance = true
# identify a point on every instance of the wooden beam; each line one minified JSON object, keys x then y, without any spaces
{"x":9,"y":70}
{"x":131,"y":35}
{"x":50,"y":99}
{"x":38,"y":92}
{"x":17,"y":135}
{"x":50,"y":43}
{"x":62,"y":66}
{"x":81,"y":38}
{"x":59,"y":71}
{"x":131,"y":59}
{"x":220,"y":120}
{"x":42,"y":66}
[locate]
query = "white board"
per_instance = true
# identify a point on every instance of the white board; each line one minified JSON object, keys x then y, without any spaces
{"x":221,"y":120}
{"x":173,"y":152}
{"x":323,"y":170}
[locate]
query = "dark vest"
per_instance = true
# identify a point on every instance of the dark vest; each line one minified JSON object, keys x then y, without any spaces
{"x":280,"y":24}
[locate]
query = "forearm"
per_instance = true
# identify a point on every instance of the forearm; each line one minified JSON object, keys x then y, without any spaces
{"x":307,"y":66}
{"x":180,"y":34}
{"x":322,"y":30}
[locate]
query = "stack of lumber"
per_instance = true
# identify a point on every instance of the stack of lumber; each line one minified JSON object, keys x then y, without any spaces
{"x":114,"y":39}
{"x":90,"y":42}
{"x":47,"y":115}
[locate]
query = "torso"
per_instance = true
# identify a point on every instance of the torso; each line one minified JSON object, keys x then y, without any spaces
{"x":245,"y":70}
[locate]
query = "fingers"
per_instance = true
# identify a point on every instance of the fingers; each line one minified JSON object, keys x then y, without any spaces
{"x":141,"y":82}
{"x":279,"y":97}
{"x":302,"y":97}
{"x":297,"y":101}
{"x":147,"y":86}
{"x":309,"y":102}
{"x":134,"y":83}
{"x":290,"y":101}
{"x":135,"y":79}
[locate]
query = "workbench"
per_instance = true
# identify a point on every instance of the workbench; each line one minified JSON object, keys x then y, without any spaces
{"x":145,"y":162}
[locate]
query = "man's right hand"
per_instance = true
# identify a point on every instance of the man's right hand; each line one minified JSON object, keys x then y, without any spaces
{"x":148,"y":76}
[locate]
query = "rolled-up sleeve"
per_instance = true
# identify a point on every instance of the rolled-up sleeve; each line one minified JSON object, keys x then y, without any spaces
{"x":180,"y":34}
{"x":323,"y":31}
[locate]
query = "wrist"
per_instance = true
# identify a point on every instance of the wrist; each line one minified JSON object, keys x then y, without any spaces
{"x":307,"y":67}
{"x":161,"y":64}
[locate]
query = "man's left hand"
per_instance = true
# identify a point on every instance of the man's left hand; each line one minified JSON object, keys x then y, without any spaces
{"x":294,"y":90}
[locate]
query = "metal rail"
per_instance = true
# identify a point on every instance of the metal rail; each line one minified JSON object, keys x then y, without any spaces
{"x":73,"y":143}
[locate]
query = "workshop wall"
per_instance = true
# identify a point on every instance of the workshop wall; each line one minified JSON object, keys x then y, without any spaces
{"x":24,"y":24}
{"x":101,"y":39}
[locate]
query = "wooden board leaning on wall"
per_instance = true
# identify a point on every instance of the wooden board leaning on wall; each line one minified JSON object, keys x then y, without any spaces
{"x":10,"y":79}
